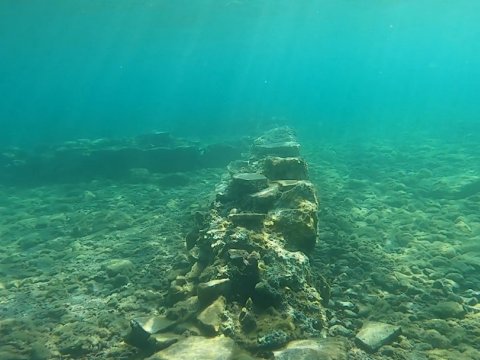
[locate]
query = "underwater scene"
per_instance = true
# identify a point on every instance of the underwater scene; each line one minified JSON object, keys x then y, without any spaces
{"x":240,"y":180}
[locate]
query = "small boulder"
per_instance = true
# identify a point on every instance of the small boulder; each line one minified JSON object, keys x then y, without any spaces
{"x":299,"y":227}
{"x":209,"y":291}
{"x":447,"y":309}
{"x":211,"y":317}
{"x":153,"y":324}
{"x":119,"y":267}
{"x":143,"y":327}
{"x":373,"y":335}
{"x":297,"y":196}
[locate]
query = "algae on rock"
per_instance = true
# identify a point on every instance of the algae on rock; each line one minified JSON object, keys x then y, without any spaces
{"x":249,"y":255}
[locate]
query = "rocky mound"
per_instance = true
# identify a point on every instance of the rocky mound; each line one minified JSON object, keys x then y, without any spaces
{"x":249,"y":278}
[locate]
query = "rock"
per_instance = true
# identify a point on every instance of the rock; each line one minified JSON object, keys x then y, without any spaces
{"x":266,"y":296}
{"x":290,"y":168}
{"x":345,"y":305}
{"x":211,"y":317}
{"x":263,"y":200}
{"x":276,"y":142}
{"x":296,"y":196}
{"x":340,"y":330}
{"x":83,"y":160}
{"x":247,"y":317}
{"x":374,"y":335}
{"x":142,"y":328}
{"x":434,"y":338}
{"x":247,"y":220}
{"x":287,"y":184}
{"x":119,"y":280}
{"x":119,"y":266}
{"x":75,"y":346}
{"x":325,"y":349}
{"x":180,"y":289}
{"x":216,"y":155}
{"x":39,"y":352}
{"x":155,"y":139}
{"x":247,"y":183}
{"x":184,"y":310}
{"x":299,"y":227}
{"x":239,"y":166}
{"x":11,"y":352}
{"x":273,"y":339}
{"x":198,"y":347}
{"x":139,"y":174}
{"x":163,"y":340}
{"x":245,"y":250}
{"x":281,"y":149}
{"x":212,"y":289}
{"x":447,"y":309}
{"x":154,"y":324}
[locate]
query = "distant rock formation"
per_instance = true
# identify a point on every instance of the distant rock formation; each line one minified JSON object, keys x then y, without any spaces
{"x":83,"y":159}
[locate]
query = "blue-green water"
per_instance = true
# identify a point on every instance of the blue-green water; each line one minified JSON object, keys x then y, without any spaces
{"x":384,"y":98}
{"x":71,"y":69}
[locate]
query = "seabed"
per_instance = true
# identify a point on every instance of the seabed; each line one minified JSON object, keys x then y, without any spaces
{"x":94,"y":267}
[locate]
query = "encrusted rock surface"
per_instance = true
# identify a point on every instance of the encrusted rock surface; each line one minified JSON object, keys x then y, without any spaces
{"x":249,"y":255}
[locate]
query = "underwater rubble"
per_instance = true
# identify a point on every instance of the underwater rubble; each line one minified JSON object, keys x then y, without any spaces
{"x":84,"y":159}
{"x":249,"y":277}
{"x":83,"y":262}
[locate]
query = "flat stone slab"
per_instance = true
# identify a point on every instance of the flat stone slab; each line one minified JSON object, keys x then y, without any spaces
{"x":248,"y":183}
{"x":311,"y":349}
{"x":373,"y":335}
{"x":280,"y":149}
{"x":198,"y":348}
{"x":153,"y":324}
{"x":263,"y":200}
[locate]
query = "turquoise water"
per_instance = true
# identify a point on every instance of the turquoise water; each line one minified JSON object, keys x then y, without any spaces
{"x":101,"y":229}
{"x":73,"y":69}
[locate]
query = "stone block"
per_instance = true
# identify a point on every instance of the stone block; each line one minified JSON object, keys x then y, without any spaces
{"x":373,"y":335}
{"x":199,"y":347}
{"x":209,"y":291}
{"x":247,"y":183}
{"x":290,"y":168}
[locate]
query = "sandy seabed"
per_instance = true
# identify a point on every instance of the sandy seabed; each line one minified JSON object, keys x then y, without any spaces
{"x":399,"y":243}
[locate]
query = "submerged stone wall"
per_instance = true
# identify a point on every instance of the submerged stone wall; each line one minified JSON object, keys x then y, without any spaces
{"x":84,"y":160}
{"x":250,"y":276}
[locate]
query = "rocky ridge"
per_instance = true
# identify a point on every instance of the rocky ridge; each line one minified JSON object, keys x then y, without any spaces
{"x":249,"y":276}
